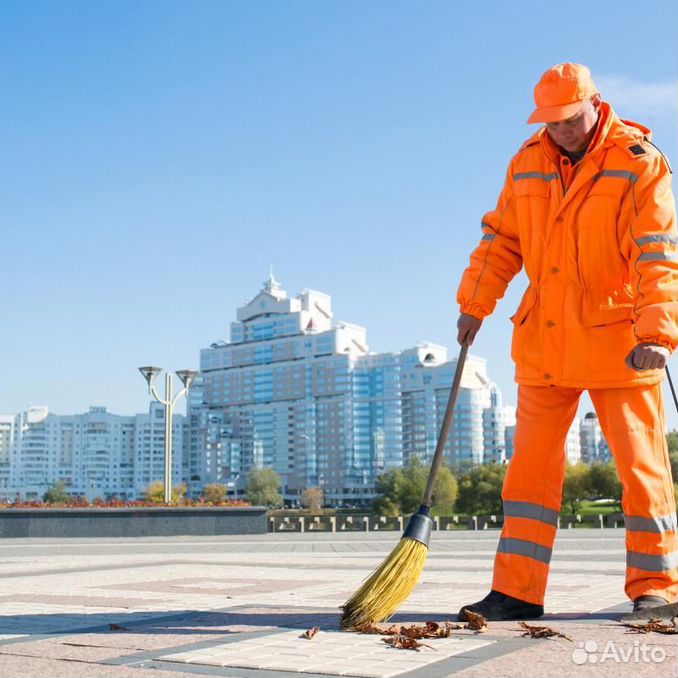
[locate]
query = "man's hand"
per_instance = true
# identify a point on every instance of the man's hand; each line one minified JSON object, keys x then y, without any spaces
{"x":467,"y":328}
{"x":648,"y":357}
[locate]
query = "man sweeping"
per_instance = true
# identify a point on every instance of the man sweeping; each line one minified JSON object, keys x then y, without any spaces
{"x":587,"y":208}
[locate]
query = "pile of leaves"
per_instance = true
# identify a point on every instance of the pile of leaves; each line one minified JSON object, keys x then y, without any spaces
{"x":428,"y":630}
{"x":407,"y":637}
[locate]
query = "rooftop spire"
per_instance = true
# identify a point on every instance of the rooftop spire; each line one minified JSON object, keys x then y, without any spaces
{"x":271,"y":285}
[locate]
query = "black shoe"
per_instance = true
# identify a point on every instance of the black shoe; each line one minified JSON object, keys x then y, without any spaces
{"x":646,"y":608}
{"x":642,"y":603}
{"x":496,"y":606}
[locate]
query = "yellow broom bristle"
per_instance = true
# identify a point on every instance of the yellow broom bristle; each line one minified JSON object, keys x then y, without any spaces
{"x":384,"y":591}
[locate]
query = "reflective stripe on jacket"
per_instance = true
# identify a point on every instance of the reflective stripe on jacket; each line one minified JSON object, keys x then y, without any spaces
{"x":599,"y":249}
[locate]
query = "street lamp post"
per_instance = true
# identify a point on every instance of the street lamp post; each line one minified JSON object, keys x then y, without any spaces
{"x":187,"y":377}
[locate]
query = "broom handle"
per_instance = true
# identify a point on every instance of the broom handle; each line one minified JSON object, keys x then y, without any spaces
{"x":673,"y":390}
{"x":445,"y":429}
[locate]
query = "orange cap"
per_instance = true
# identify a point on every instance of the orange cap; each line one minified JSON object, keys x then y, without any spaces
{"x":561,"y":92}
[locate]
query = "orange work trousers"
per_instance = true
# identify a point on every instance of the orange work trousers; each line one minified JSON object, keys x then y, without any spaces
{"x":632,"y":421}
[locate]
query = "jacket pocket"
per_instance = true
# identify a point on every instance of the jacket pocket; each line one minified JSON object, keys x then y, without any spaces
{"x":526,"y":305}
{"x":604,"y":307}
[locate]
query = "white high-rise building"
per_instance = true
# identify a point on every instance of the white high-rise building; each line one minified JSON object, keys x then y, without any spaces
{"x":573,"y":442}
{"x":289,"y":392}
{"x":426,"y":377}
{"x":510,"y":438}
{"x":7,"y":433}
{"x":496,"y":419}
{"x":96,"y":454}
{"x":594,"y":447}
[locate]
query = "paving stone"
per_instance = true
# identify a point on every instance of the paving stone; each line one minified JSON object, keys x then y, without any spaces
{"x":42,"y":667}
{"x":297,"y":654}
{"x":200,"y":600}
{"x":45,"y":648}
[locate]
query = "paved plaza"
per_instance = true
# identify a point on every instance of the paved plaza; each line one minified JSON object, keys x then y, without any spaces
{"x":237,"y":606}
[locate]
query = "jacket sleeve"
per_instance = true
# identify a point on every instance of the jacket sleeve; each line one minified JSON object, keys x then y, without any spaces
{"x":650,"y":248}
{"x":495,"y":261}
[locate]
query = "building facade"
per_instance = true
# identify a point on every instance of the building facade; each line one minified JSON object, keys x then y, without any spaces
{"x":96,"y":454}
{"x":594,"y":447}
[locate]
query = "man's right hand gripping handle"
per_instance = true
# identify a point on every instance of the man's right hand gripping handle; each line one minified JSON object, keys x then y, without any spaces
{"x":467,"y":328}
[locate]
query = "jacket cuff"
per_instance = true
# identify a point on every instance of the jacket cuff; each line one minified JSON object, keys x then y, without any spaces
{"x":472,"y":308}
{"x":660,"y":341}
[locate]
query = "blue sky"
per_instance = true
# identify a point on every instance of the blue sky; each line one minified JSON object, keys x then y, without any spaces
{"x":157,"y":156}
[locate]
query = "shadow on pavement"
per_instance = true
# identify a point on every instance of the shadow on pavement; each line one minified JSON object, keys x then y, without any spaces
{"x":186,"y":622}
{"x":182,"y":622}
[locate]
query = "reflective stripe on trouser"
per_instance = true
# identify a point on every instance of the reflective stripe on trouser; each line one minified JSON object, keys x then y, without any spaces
{"x":632,"y":420}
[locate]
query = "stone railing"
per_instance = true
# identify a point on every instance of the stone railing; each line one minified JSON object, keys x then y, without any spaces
{"x":279,"y":522}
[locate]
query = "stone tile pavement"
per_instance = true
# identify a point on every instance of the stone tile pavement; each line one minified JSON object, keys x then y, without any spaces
{"x":237,"y":606}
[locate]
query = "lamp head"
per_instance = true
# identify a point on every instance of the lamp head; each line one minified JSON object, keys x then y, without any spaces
{"x":150,"y":374}
{"x":187,"y":377}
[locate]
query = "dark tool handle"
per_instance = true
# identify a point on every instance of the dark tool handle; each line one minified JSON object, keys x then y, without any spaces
{"x":673,"y":390}
{"x":445,"y":429}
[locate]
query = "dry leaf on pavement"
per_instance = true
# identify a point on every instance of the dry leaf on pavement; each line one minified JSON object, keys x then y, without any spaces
{"x":310,"y":634}
{"x":654,"y":625}
{"x":542,"y":632}
{"x":443,"y":630}
{"x":405,"y":643}
{"x":476,"y":622}
{"x":117,"y":627}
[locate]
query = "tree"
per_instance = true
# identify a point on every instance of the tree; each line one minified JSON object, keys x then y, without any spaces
{"x":672,"y":440}
{"x":401,"y":490}
{"x":56,"y":494}
{"x":155,"y":492}
{"x":445,"y":493}
{"x":577,"y":485}
{"x":480,"y":490}
{"x":604,"y":482}
{"x":385,"y":506}
{"x":312,"y":498}
{"x":389,"y":489}
{"x":215,"y":493}
{"x":263,"y":488}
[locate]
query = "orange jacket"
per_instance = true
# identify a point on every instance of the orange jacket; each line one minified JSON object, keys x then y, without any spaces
{"x":598,"y":242}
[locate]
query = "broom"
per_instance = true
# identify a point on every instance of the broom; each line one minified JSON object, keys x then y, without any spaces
{"x":391,"y":583}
